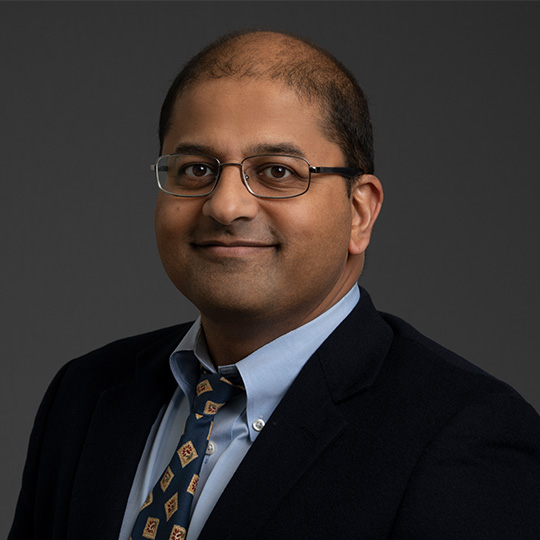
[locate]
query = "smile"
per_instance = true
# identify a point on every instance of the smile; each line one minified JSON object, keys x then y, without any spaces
{"x":237,"y":248}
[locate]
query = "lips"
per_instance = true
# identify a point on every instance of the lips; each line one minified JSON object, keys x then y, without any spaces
{"x":233,"y":247}
{"x":232,"y":243}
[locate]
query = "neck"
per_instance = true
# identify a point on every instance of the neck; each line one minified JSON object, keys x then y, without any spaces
{"x":230,"y":341}
{"x":231,"y":337}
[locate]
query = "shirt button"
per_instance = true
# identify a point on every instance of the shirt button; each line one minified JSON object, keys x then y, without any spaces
{"x":258,"y":424}
{"x":211,"y":448}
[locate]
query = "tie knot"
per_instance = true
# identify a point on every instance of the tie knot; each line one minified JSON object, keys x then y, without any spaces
{"x":212,"y":392}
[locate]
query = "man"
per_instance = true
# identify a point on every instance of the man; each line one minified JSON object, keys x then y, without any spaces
{"x":351,"y":425}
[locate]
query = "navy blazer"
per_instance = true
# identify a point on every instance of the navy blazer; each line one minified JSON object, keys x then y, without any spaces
{"x":383,"y":435}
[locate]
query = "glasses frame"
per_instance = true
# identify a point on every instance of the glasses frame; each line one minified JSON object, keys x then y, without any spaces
{"x":346,"y":172}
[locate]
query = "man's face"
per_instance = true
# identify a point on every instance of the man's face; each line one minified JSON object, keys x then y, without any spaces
{"x":239,"y":257}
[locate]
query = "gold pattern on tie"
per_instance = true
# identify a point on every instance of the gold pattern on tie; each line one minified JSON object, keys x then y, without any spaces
{"x":166,"y":512}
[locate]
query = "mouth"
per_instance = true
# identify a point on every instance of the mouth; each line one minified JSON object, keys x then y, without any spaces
{"x":233,"y":248}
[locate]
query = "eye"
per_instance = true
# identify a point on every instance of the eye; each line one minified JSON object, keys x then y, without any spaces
{"x":197,"y":170}
{"x":275,"y":172}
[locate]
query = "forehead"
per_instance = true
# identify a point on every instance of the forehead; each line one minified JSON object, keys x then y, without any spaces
{"x":236,"y":115}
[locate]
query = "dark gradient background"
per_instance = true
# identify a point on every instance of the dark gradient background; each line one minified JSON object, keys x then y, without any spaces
{"x":454,"y":90}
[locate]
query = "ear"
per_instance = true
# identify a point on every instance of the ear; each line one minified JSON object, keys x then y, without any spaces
{"x":366,"y":202}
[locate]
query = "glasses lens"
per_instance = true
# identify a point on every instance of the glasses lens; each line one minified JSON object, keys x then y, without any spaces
{"x":277,"y":176}
{"x":187,"y":175}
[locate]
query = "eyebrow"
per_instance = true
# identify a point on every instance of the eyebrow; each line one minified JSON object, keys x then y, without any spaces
{"x":277,"y":148}
{"x":187,"y":148}
{"x":261,"y":148}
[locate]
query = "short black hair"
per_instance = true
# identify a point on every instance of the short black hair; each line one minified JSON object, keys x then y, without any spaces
{"x":311,"y":71}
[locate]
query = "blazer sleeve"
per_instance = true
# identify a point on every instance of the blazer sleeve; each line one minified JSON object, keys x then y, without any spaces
{"x":479,"y":478}
{"x":24,"y":523}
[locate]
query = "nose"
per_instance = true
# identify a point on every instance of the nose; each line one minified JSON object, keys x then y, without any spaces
{"x":230,"y":199}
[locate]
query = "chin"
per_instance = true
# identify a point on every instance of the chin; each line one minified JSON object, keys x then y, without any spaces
{"x":233,"y":309}
{"x":225,"y":300}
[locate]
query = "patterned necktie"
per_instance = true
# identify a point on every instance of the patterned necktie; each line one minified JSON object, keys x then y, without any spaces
{"x":165,"y":514}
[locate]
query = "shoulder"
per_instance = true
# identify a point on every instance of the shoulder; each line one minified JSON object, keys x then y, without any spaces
{"x":134,"y":345}
{"x":77,"y":388}
{"x":437,"y":388}
{"x":120,"y":360}
{"x":474,"y":443}
{"x":407,"y":375}
{"x":428,"y":364}
{"x":401,"y":367}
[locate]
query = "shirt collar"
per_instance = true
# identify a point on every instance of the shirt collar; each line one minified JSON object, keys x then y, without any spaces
{"x":268,"y":372}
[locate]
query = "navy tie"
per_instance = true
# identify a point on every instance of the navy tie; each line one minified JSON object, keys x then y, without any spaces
{"x":166,"y":512}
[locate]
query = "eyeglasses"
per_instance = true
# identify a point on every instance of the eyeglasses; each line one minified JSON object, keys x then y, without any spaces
{"x":267,"y":176}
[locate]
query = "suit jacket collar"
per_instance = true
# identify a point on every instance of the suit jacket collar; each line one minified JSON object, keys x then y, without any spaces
{"x":306,"y":420}
{"x":353,"y":354}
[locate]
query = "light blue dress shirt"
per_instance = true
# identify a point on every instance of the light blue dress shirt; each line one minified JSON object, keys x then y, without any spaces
{"x":267,"y":374}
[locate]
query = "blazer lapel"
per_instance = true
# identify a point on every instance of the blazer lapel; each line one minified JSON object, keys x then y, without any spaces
{"x":116,"y":438}
{"x":305,"y":423}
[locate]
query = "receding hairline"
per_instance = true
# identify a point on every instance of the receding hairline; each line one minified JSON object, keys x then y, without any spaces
{"x":270,"y":55}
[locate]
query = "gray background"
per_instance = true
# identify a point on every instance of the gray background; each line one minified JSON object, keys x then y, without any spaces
{"x":454,"y":90}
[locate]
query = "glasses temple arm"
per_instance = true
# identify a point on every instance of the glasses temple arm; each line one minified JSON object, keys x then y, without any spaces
{"x":343,"y":171}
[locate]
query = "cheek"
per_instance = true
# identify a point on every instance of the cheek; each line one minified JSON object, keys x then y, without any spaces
{"x":174,"y":213}
{"x":171,"y":222}
{"x":320,"y":235}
